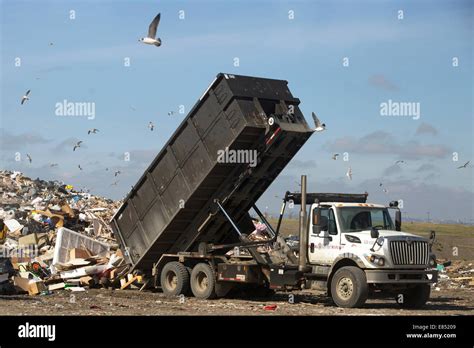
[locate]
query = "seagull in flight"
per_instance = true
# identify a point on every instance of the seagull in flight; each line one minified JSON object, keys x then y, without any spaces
{"x":464,"y":165}
{"x":25,"y":97}
{"x":93,"y":131}
{"x":319,"y":127}
{"x":170,"y":113}
{"x":79,"y":166}
{"x":117,"y":173}
{"x":151,"y":126}
{"x":29,"y":157}
{"x":349,"y":173}
{"x":53,"y":165}
{"x":150,"y":39}
{"x":334,"y":157}
{"x":77,"y":145}
{"x":114,"y":184}
{"x":400,"y":161}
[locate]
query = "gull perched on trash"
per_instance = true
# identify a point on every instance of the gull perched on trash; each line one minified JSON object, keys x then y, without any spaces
{"x":151,"y":38}
{"x":319,"y":127}
{"x":77,"y":145}
{"x":151,"y":126}
{"x":29,"y":157}
{"x":25,"y":97}
{"x":93,"y":131}
{"x":349,"y":173}
{"x":464,"y":165}
{"x":334,"y":157}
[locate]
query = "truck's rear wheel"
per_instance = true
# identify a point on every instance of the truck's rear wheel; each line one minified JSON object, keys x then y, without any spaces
{"x":349,"y":287}
{"x":415,"y":297}
{"x":174,"y":279}
{"x":203,"y":281}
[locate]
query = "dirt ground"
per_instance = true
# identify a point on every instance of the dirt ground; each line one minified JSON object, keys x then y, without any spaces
{"x":133,"y":302}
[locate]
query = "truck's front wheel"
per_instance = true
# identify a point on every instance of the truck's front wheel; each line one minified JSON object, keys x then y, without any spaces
{"x":415,"y":297}
{"x":203,"y":281}
{"x":174,"y":279}
{"x":349,"y":287}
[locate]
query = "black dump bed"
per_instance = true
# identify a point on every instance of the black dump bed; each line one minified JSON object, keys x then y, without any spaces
{"x":171,"y":208}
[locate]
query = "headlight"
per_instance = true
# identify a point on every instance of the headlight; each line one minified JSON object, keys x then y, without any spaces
{"x":433,"y":262}
{"x":377,"y":260}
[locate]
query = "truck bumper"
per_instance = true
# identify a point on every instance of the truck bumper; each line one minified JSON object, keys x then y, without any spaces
{"x":400,"y":276}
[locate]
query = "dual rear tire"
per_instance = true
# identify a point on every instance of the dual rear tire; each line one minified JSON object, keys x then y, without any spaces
{"x":177,"y":279}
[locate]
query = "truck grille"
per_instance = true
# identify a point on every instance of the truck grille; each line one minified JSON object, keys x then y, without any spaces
{"x":409,"y":253}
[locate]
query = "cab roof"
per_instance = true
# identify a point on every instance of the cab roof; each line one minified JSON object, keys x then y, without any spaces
{"x":327,"y":197}
{"x":366,"y":205}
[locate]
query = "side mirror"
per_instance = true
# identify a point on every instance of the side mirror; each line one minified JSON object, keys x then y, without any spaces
{"x":374,"y":233}
{"x":398,"y":220}
{"x":316,"y":221}
{"x":432,"y":237}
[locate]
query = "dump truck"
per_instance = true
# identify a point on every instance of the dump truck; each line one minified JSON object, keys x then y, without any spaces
{"x":187,"y":222}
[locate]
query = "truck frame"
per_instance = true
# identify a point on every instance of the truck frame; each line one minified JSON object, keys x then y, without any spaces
{"x":186,"y":222}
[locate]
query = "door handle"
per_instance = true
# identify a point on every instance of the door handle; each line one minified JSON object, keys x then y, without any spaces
{"x":311,"y":247}
{"x":324,"y":237}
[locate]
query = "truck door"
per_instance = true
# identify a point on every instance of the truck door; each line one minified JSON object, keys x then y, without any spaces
{"x":324,"y":247}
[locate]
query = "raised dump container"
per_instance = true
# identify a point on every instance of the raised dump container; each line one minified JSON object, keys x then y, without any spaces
{"x":172,"y":209}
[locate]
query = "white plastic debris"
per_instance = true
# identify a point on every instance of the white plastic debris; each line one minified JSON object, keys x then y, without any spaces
{"x":13,"y":225}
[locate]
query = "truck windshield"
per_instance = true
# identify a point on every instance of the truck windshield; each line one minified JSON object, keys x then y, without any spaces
{"x":356,"y":219}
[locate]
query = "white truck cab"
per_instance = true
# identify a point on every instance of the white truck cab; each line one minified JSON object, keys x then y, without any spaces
{"x":355,"y":250}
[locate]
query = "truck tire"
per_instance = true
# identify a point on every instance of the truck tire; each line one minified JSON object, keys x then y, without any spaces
{"x":203,"y":281}
{"x":174,"y":279}
{"x":349,"y":287}
{"x":415,"y":297}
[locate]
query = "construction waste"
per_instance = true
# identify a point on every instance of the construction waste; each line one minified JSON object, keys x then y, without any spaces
{"x":454,"y":275}
{"x":53,"y":237}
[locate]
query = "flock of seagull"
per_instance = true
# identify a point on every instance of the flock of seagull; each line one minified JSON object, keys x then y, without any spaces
{"x":152,"y":39}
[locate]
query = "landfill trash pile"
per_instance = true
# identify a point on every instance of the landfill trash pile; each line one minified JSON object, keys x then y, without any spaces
{"x":53,"y":237}
{"x":455,"y":275}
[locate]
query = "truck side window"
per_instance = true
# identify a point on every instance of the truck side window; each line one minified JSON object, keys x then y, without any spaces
{"x":329,"y":214}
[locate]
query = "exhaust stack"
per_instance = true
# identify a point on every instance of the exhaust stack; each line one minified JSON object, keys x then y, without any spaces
{"x":303,"y":255}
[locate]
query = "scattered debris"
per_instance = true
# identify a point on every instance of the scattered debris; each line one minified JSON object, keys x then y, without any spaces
{"x":55,"y":238}
{"x":455,"y":275}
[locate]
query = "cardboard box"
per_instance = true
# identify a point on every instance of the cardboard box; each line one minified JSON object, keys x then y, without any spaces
{"x":34,"y":238}
{"x":33,"y":287}
{"x":77,"y":253}
{"x":87,"y":281}
{"x":29,"y":239}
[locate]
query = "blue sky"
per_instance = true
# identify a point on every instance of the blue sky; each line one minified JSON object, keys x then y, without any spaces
{"x":407,"y":60}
